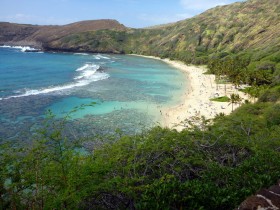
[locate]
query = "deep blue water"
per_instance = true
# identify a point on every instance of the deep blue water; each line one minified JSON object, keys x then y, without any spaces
{"x":127,"y":91}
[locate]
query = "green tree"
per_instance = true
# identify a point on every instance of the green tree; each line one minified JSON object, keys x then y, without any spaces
{"x":234,"y":99}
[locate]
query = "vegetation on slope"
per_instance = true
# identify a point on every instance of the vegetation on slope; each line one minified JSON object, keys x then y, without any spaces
{"x":250,"y":27}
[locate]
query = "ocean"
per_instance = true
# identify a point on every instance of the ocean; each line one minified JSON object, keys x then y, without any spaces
{"x":107,"y":92}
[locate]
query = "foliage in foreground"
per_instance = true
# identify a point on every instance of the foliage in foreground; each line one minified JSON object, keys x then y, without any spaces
{"x":159,"y":169}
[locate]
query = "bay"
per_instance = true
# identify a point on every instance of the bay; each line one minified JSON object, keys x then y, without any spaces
{"x":108,"y":92}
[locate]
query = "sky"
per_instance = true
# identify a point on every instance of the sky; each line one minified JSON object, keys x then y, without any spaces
{"x":131,"y":13}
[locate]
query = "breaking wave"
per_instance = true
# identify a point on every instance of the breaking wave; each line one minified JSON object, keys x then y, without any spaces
{"x":102,"y":57}
{"x":22,"y":48}
{"x":87,"y":74}
{"x":81,"y":54}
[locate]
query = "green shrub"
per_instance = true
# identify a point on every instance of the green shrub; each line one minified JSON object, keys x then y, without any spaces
{"x":272,"y":115}
{"x":271,"y":95}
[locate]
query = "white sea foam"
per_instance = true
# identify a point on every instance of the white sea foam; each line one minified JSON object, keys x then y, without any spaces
{"x":87,"y":71}
{"x":22,"y":48}
{"x":102,"y":56}
{"x":30,"y":49}
{"x":88,"y":66}
{"x":88,"y":74}
{"x":96,"y":57}
{"x":81,"y":54}
{"x":5,"y":46}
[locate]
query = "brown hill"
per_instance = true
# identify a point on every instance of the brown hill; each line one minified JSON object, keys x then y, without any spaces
{"x":24,"y":34}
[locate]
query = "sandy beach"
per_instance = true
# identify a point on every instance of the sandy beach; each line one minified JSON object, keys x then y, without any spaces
{"x":195,"y":101}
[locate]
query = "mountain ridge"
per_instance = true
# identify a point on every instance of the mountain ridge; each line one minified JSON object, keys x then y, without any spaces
{"x":36,"y":35}
{"x":250,"y":28}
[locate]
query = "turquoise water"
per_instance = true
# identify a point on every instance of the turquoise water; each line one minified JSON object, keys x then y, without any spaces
{"x":107,"y":91}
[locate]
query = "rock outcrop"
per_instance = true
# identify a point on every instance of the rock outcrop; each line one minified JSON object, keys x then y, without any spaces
{"x":265,"y":199}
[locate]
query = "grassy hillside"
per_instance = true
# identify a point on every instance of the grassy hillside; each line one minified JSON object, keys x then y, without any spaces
{"x":251,"y":27}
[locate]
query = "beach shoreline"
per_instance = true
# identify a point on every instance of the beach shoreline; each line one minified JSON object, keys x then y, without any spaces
{"x":195,"y":102}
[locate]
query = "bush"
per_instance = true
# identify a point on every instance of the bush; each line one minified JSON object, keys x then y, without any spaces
{"x":213,"y":168}
{"x":273,"y":115}
{"x":266,"y":66}
{"x":271,"y":95}
{"x":276,"y":75}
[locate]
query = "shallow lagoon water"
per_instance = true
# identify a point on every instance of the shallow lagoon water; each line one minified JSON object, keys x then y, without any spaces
{"x":113,"y":91}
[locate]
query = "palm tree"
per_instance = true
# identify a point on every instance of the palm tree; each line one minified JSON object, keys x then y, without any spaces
{"x":228,"y":69}
{"x":215,"y":67}
{"x":238,"y":99}
{"x":234,"y":99}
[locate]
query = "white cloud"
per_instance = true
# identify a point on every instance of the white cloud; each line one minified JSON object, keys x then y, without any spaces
{"x":202,"y":4}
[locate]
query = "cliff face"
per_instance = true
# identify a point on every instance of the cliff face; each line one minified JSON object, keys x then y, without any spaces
{"x":17,"y":33}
